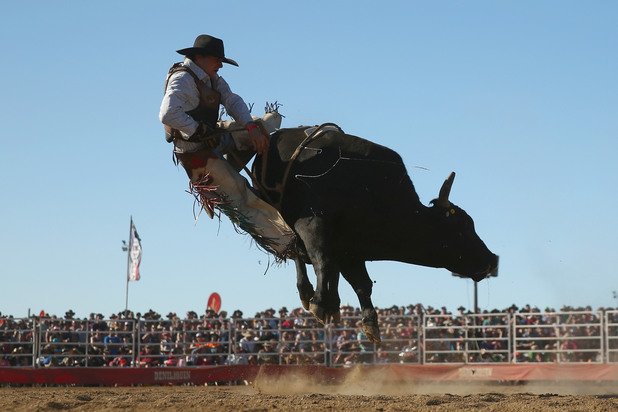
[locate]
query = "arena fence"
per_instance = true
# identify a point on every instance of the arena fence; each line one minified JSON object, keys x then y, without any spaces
{"x":471,"y":339}
{"x":467,"y":339}
{"x":611,"y":336}
{"x":559,"y":337}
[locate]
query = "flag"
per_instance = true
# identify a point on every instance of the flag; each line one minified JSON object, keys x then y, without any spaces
{"x":135,"y":254}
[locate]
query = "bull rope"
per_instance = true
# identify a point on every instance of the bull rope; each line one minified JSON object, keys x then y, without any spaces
{"x":300,"y":177}
{"x":280,"y":188}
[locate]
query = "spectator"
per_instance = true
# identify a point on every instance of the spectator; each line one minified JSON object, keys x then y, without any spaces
{"x":112,"y":343}
{"x":238,"y":356}
{"x":148,"y":357}
{"x":409,"y":353}
{"x":267,"y":354}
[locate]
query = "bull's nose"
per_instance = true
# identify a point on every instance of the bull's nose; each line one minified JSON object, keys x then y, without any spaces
{"x":491,"y":270}
{"x":494,"y":271}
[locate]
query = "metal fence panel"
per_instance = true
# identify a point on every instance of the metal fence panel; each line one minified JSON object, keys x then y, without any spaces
{"x":562,"y":337}
{"x":17,"y":342}
{"x":470,"y":338}
{"x":611,"y":336}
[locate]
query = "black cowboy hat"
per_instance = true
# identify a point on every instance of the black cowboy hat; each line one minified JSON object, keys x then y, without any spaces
{"x":209,"y":46}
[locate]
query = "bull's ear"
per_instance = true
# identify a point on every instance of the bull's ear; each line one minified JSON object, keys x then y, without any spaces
{"x":445,"y":191}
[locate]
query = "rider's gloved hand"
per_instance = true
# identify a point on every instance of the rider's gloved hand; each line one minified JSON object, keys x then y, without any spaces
{"x":259,"y":140}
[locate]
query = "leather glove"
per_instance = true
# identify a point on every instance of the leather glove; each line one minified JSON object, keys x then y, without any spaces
{"x":259,"y":140}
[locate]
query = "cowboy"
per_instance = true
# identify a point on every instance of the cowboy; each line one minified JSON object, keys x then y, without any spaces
{"x":211,"y":156}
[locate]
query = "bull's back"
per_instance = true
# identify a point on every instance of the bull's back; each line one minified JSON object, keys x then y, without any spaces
{"x":341,"y":176}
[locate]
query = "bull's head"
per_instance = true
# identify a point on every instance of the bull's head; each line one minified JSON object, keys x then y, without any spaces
{"x":460,"y":247}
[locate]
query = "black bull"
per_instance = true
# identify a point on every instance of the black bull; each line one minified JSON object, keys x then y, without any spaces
{"x":350,"y":201}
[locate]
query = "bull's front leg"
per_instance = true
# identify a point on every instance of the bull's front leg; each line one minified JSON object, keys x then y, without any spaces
{"x":315,"y":234}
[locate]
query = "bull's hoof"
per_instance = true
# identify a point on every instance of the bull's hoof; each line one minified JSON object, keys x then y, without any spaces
{"x":372,"y":331}
{"x":318,"y":312}
{"x":324,"y":316}
{"x":305,"y":299}
{"x":373,"y":334}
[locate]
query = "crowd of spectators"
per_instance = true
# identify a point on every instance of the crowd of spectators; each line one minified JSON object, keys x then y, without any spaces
{"x":150,"y":339}
{"x":572,"y":336}
{"x":568,"y":335}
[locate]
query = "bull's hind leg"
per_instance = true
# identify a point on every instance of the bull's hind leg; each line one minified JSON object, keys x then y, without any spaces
{"x":355,"y":272}
{"x":304,"y":286}
{"x":314,"y":233}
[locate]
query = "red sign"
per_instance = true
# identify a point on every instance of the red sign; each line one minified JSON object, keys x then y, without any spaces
{"x":214,"y":302}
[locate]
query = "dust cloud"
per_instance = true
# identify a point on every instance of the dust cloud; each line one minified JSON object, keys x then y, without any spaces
{"x":363,"y":382}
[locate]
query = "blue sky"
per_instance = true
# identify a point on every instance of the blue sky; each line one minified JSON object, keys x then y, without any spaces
{"x":519,"y":98}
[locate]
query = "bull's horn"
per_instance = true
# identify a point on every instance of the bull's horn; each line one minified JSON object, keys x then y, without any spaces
{"x":445,"y":191}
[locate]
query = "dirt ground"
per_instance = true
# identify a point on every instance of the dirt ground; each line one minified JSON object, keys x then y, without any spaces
{"x":299,"y":394}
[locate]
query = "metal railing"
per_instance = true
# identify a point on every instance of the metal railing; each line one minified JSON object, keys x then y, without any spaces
{"x":562,"y":337}
{"x":611,"y":336}
{"x":558,"y":337}
{"x":479,"y":338}
{"x":17,"y":342}
{"x":68,"y":342}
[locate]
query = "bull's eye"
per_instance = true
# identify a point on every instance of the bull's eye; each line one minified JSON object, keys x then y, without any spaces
{"x":452,"y":211}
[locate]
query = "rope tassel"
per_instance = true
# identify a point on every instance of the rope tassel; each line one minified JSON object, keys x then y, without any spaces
{"x":205,"y":195}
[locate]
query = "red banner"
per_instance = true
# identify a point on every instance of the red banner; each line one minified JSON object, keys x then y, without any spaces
{"x":397,"y":373}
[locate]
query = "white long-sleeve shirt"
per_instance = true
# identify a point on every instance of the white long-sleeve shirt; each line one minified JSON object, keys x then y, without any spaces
{"x":182,"y":95}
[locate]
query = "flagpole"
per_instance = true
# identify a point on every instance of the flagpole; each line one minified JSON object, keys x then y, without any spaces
{"x":126,"y":304}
